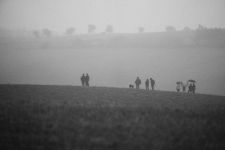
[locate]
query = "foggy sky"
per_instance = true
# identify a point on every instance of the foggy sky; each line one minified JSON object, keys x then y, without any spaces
{"x":124,"y":15}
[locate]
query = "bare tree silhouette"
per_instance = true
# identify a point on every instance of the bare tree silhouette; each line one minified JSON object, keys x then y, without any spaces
{"x":70,"y":31}
{"x":170,"y":29}
{"x":91,"y":28}
{"x":36,"y":33}
{"x":141,"y":29}
{"x":47,"y":32}
{"x":186,"y":29}
{"x":201,"y":27}
{"x":109,"y":29}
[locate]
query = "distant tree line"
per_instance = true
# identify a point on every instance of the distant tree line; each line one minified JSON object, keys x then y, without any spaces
{"x":172,"y":38}
{"x":187,"y":37}
{"x":70,"y":31}
{"x":110,"y":29}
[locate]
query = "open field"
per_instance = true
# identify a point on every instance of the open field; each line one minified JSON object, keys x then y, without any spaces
{"x":69,"y":117}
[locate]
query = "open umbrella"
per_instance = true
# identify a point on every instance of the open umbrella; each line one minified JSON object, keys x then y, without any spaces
{"x":191,"y":81}
{"x":179,"y":82}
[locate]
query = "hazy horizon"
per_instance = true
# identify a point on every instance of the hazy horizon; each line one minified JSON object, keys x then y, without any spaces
{"x":124,"y":16}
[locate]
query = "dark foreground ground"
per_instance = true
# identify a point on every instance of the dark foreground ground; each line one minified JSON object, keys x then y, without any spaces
{"x":76,"y":118}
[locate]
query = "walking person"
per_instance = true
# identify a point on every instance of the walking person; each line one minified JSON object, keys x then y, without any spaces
{"x":82,"y":78}
{"x":138,"y":82}
{"x":190,"y":88}
{"x":87,"y":78}
{"x":147,"y":84}
{"x":152,"y":83}
{"x":184,"y":86}
{"x":178,"y":87}
{"x":193,"y":88}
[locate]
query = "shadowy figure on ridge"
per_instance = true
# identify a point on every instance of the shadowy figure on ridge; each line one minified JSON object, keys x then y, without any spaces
{"x":193,"y":87}
{"x":184,"y":86}
{"x":138,"y":82}
{"x":82,"y":78}
{"x":87,"y":78}
{"x":152,"y":83}
{"x":147,"y":84}
{"x":190,"y":88}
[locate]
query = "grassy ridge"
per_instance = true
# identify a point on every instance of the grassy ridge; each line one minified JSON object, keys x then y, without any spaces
{"x":68,"y":117}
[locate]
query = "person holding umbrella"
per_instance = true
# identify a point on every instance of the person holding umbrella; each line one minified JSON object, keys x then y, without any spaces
{"x":192,"y":86}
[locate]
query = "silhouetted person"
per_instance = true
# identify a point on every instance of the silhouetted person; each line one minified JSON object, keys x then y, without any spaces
{"x":152,"y":83}
{"x":138,"y":82}
{"x":147,"y":84}
{"x":178,"y":88}
{"x":82,"y":78}
{"x":190,"y":88}
{"x":87,"y":78}
{"x":193,"y":87}
{"x":184,"y":87}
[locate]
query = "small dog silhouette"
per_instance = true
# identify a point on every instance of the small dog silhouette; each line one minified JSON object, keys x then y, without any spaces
{"x":131,"y":86}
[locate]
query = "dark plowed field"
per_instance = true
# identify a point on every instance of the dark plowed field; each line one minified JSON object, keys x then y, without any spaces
{"x":75,"y":118}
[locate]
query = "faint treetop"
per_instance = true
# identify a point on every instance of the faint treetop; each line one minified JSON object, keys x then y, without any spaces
{"x":141,"y":29}
{"x":109,"y":29}
{"x":201,"y":27}
{"x":70,"y":31}
{"x":47,"y":32}
{"x":36,"y":33}
{"x":170,"y":29}
{"x":91,"y":28}
{"x":186,"y":29}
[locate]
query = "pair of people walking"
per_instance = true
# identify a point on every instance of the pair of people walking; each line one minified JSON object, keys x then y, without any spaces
{"x":152,"y":81}
{"x":138,"y":83}
{"x":191,"y":88}
{"x":85,"y":79}
{"x":181,"y":86}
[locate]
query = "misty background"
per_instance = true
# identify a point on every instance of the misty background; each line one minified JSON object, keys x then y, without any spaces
{"x":54,"y":42}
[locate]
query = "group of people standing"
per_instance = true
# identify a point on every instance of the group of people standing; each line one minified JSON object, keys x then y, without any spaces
{"x":182,"y":87}
{"x":138,"y":83}
{"x":85,"y":79}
